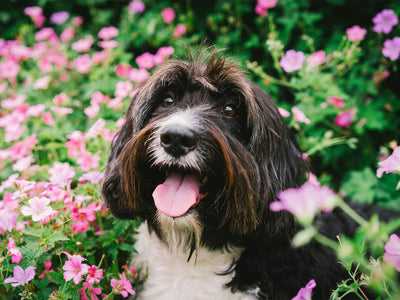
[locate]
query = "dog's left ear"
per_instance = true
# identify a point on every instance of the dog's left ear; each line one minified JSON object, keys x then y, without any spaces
{"x":273,"y":146}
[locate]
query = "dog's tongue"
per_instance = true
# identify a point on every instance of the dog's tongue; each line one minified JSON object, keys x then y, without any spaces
{"x":177,"y":194}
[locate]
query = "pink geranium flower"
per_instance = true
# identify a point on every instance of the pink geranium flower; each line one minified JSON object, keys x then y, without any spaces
{"x":168,"y":15}
{"x":138,"y":75}
{"x":47,"y":269}
{"x":136,"y":6}
{"x":390,"y":164}
{"x":392,"y":48}
{"x":392,"y":252}
{"x":305,"y":292}
{"x":88,"y":161}
{"x":92,"y":110}
{"x":61,"y":173}
{"x":82,"y":216}
{"x":107,"y":33}
{"x":74,"y":268}
{"x":299,"y":116}
{"x":292,"y":61}
{"x":7,"y":221}
{"x":96,"y":129}
{"x":16,"y":255}
{"x":90,"y":290}
{"x":356,"y":33}
{"x":21,"y":276}
{"x":345,"y":118}
{"x":94,"y":177}
{"x":384,"y":21}
{"x":82,"y":45}
{"x":122,"y":287}
{"x":9,"y":69}
{"x":83,"y":63}
{"x":42,"y":83}
{"x":335,"y":102}
{"x":122,"y":70}
{"x":316,"y":59}
{"x":38,"y":209}
{"x":305,"y":202}
{"x":59,"y":17}
{"x":61,"y":111}
{"x":36,"y":15}
{"x":94,"y":275}
{"x":145,"y":61}
{"x":45,"y":34}
{"x":283,"y":112}
{"x":180,"y":29}
{"x":67,"y":34}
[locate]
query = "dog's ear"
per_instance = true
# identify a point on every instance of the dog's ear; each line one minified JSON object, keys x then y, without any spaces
{"x":114,"y":191}
{"x":273,"y":146}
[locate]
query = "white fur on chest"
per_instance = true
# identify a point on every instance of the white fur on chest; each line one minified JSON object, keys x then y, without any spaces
{"x":171,"y":277}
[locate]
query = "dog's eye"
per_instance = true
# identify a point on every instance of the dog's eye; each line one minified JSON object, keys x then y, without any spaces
{"x":229,"y":111}
{"x":167,"y":102}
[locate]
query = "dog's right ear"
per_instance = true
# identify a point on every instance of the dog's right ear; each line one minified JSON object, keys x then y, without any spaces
{"x":114,"y":190}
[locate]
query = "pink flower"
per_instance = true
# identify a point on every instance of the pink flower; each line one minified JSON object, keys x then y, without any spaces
{"x":82,"y":45}
{"x":136,"y":6}
{"x":77,"y":21}
{"x":83,"y":63}
{"x":67,"y":34}
{"x":108,"y":44}
{"x":283,"y":112}
{"x":122,"y":287}
{"x":21,"y":149}
{"x":44,"y":34}
{"x":123,"y":88}
{"x":94,"y":275}
{"x":305,"y":202}
{"x":107,"y":33}
{"x":87,"y":161}
{"x":267,"y":3}
{"x":9,"y":69}
{"x":96,"y":129}
{"x":61,"y":173}
{"x":356,"y":33}
{"x":7,"y":221}
{"x":384,"y":21}
{"x":94,"y":177}
{"x":138,"y":75}
{"x":259,"y":10}
{"x":99,"y":57}
{"x":92,"y":111}
{"x":392,"y":252}
{"x":60,"y":99}
{"x":392,"y":48}
{"x":38,"y":209}
{"x":47,"y":269}
{"x":335,"y":102}
{"x":74,"y":269}
{"x":122,"y":70}
{"x":345,"y":118}
{"x":62,"y":111}
{"x":23,"y":164}
{"x":390,"y":164}
{"x":36,"y":15}
{"x":292,"y":61}
{"x":16,"y":255}
{"x":81,"y":217}
{"x":48,"y":118}
{"x":163,"y":53}
{"x":97,"y":98}
{"x":42,"y":83}
{"x":21,"y":277}
{"x":145,"y":61}
{"x":59,"y":17}
{"x":316,"y":59}
{"x":305,"y":292}
{"x":168,"y":15}
{"x":90,"y":290}
{"x":180,"y":29}
{"x":299,"y":116}
{"x":14,"y":102}
{"x":35,"y":110}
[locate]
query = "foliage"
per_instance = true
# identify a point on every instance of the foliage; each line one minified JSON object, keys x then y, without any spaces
{"x":66,"y":82}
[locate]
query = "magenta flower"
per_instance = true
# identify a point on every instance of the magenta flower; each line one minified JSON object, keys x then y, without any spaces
{"x":390,"y":164}
{"x":299,"y":116}
{"x":82,"y":45}
{"x":88,"y":161}
{"x":335,"y":102}
{"x":36,"y":15}
{"x":9,"y":69}
{"x":16,"y":255}
{"x":344,"y":119}
{"x":392,"y":48}
{"x":136,"y":6}
{"x":305,"y":202}
{"x":107,"y":33}
{"x":90,"y":290}
{"x":47,"y":269}
{"x":81,"y":217}
{"x":180,"y":29}
{"x":61,"y":173}
{"x":94,"y":275}
{"x":67,"y":34}
{"x":44,"y":34}
{"x":392,"y":252}
{"x":83,"y":63}
{"x":263,"y":5}
{"x":384,"y":21}
{"x":38,"y":209}
{"x":168,"y":15}
{"x":305,"y":292}
{"x":122,"y":287}
{"x":356,"y":33}
{"x":145,"y":61}
{"x":292,"y":61}
{"x":59,"y":17}
{"x":21,"y":277}
{"x":74,"y":269}
{"x":316,"y":59}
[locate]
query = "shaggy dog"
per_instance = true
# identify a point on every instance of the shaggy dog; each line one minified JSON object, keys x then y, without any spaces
{"x":202,"y":154}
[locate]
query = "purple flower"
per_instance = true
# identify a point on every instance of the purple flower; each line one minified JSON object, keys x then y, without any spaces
{"x":21,"y":277}
{"x":292,"y":61}
{"x":392,"y":48}
{"x":305,"y":292}
{"x":392,"y":252}
{"x":384,"y":21}
{"x":7,"y":221}
{"x":305,"y":201}
{"x":59,"y":17}
{"x":390,"y":164}
{"x":356,"y":33}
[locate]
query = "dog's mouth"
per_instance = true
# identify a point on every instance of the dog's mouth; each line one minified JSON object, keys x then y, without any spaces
{"x":179,"y":192}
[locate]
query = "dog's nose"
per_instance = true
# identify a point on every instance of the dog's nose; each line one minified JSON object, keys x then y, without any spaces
{"x":178,"y":140}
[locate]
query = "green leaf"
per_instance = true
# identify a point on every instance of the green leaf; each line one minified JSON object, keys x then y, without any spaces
{"x":359,"y":185}
{"x":30,"y":256}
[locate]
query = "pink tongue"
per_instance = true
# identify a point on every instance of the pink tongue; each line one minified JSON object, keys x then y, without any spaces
{"x":176,"y":195}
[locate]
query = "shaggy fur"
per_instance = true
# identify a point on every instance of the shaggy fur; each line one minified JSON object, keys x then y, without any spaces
{"x":229,"y":245}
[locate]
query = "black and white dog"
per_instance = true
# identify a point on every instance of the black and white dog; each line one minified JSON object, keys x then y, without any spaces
{"x":201,"y":156}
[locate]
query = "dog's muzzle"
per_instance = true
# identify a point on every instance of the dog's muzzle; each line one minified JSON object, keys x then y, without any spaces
{"x":178,"y":140}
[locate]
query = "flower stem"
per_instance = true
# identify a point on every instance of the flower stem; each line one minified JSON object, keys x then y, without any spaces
{"x":326,"y":241}
{"x":350,"y":212}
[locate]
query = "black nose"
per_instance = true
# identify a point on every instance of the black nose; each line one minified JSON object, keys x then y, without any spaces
{"x":178,"y":140}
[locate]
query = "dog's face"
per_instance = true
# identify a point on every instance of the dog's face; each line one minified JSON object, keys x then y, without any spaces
{"x":203,"y":151}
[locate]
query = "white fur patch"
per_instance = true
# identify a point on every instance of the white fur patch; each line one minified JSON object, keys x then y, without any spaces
{"x":171,"y":277}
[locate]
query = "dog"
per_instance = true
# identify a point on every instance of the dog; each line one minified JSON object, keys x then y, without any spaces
{"x":202,"y":154}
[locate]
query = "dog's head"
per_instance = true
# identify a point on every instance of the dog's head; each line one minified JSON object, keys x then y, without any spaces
{"x":203,"y":144}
